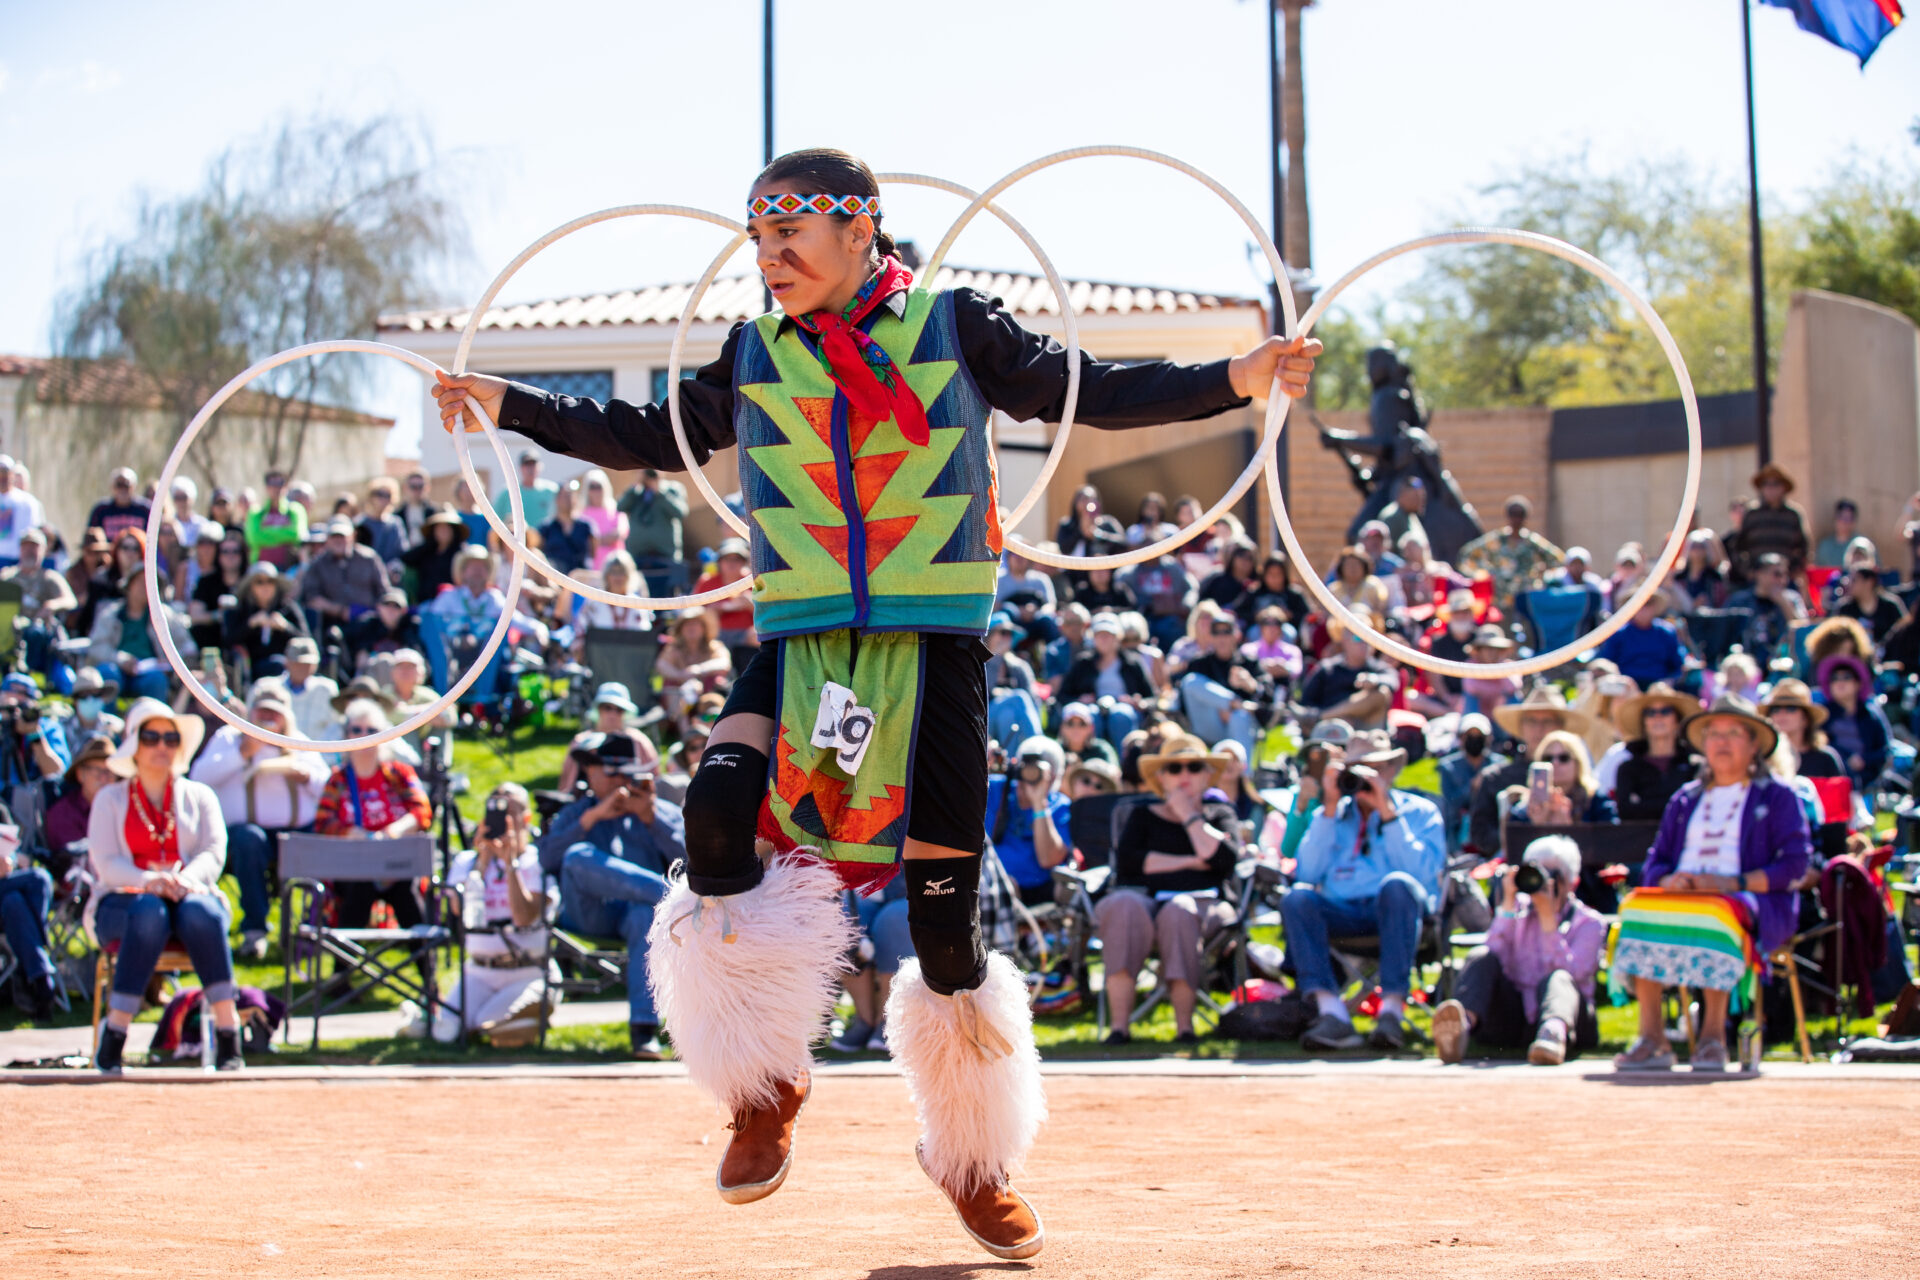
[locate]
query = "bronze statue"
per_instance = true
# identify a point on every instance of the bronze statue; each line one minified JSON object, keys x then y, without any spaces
{"x":1396,"y":466}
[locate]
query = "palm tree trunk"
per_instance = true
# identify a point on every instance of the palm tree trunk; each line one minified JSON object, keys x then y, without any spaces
{"x":1298,"y":247}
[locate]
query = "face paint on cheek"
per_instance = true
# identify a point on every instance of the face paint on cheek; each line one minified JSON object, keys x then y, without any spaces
{"x":795,"y":262}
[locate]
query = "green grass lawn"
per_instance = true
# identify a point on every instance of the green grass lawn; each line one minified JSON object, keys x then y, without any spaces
{"x":534,"y":762}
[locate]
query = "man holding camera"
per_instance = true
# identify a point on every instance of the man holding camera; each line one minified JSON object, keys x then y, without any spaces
{"x":33,"y":747}
{"x":611,"y":850}
{"x":1028,"y":817}
{"x":1534,"y":980}
{"x":1373,"y":857}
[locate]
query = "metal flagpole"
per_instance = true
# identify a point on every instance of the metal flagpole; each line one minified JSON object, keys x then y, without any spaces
{"x":1277,"y":140}
{"x":1762,"y":406}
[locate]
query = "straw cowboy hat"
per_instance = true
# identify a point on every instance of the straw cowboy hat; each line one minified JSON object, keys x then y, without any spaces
{"x":1541,"y":698}
{"x":95,"y":749}
{"x":1375,"y":749}
{"x":1490,"y":637}
{"x":1729,"y":705}
{"x":1794,"y":693}
{"x":1629,"y":712}
{"x":363,"y":687}
{"x":1180,"y":747}
{"x":192,"y":729}
{"x":1772,"y":472}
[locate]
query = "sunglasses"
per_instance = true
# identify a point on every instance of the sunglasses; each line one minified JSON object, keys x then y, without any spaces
{"x":1223,"y":629}
{"x":1186,"y":766}
{"x":361,"y":731}
{"x":154,"y":737}
{"x":1660,"y":711}
{"x":1558,"y":757}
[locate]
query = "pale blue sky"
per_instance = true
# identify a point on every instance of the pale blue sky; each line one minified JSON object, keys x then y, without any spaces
{"x":564,"y":107}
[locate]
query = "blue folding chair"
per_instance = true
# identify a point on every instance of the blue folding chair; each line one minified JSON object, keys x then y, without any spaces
{"x":1556,"y":616}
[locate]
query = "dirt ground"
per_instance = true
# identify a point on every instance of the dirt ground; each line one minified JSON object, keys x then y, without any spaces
{"x":1464,"y":1174}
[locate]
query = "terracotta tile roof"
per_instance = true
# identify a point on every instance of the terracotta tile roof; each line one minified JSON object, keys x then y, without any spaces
{"x":740,"y":298}
{"x":115,"y":382}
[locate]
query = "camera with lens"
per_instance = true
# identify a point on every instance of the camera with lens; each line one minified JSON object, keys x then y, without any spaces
{"x":1032,"y":767}
{"x":1530,"y":877}
{"x":1355,"y":779}
{"x":21,"y":714}
{"x":494,"y":825}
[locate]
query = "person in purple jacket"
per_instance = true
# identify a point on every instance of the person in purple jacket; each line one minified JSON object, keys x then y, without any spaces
{"x":1737,"y":831}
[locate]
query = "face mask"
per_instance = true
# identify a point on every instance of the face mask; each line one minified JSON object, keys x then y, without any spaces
{"x":1474,"y":743}
{"x":89,"y":708}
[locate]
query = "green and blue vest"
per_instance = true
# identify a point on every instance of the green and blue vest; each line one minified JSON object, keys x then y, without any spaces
{"x":853,"y":526}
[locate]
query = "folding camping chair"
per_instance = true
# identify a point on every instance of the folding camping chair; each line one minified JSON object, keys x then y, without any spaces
{"x":396,"y":960}
{"x":625,"y":657}
{"x":1556,"y":616}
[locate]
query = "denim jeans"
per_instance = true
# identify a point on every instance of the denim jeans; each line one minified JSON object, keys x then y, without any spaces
{"x":150,"y":684}
{"x":143,"y":922}
{"x":1500,"y":1011}
{"x":1013,"y":717}
{"x":1215,"y":713}
{"x":610,"y":897}
{"x":1312,"y":919}
{"x":252,"y":851}
{"x":883,"y":920}
{"x":24,"y":896}
{"x":1114,"y":721}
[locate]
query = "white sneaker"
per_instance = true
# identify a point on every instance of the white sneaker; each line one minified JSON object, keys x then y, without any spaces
{"x":1549,"y":1047}
{"x":253,"y":944}
{"x":415,"y":1026}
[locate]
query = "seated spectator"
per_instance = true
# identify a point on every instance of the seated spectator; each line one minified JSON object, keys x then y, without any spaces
{"x":92,"y":581}
{"x":1629,"y":571}
{"x":156,"y":844}
{"x":1136,"y":638}
{"x":312,"y":695}
{"x":1027,"y":817}
{"x":124,"y":640}
{"x":1287,"y":825}
{"x":1542,"y":712}
{"x":1514,"y":557}
{"x":1648,"y":649}
{"x":610,"y":850}
{"x":1058,"y":657}
{"x":263,"y":622}
{"x":1832,"y":551}
{"x":1171,"y":865}
{"x":1271,"y":648}
{"x":1230,"y":583}
{"x":1798,"y":718}
{"x":1080,"y":740}
{"x":1225,"y":693}
{"x":1274,"y":589}
{"x":731,"y":621}
{"x":1651,"y":762}
{"x":37,"y":748}
{"x":1837,"y":636}
{"x":885,"y":940}
{"x":205,"y":610}
{"x":92,"y":695}
{"x":1377,"y":541}
{"x":692,"y":662}
{"x":1103,"y":592}
{"x":1486,"y":694}
{"x":380,"y":530}
{"x":389,"y":628}
{"x":1025,"y":593}
{"x":1740,"y":835}
{"x":45,"y":599}
{"x":1013,"y":707}
{"x":1533,"y":983}
{"x":66,"y":820}
{"x":1235,"y":784}
{"x":1450,"y":637}
{"x":1351,"y":684}
{"x":1110,"y":678}
{"x":121,"y":510}
{"x":1087,"y":530}
{"x":622,"y":577}
{"x":1771,"y":525}
{"x":1150,"y":522}
{"x":1856,"y":726}
{"x":264,"y":791}
{"x":1420,"y":579}
{"x":1460,"y":769}
{"x":345,"y":580}
{"x":277,"y":526}
{"x":597,"y":509}
{"x":469,"y":611}
{"x":1700,"y":582}
{"x":1597,"y":691}
{"x":432,"y":559}
{"x":1878,"y":609}
{"x":26,"y":890}
{"x":1738,"y":677}
{"x":505,"y":901}
{"x":203,"y":559}
{"x":1093,"y":777}
{"x":1776,"y":606}
{"x":612,"y":704}
{"x":566,"y":540}
{"x":1370,"y":865}
{"x":1355,"y":584}
{"x":407,"y":686}
{"x":1166,"y":593}
{"x":1573,"y":795}
{"x":373,"y":796}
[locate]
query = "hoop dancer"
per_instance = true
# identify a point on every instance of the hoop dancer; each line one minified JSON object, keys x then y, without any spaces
{"x":855,"y":741}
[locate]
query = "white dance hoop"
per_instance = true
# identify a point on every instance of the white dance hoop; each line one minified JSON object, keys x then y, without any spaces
{"x":426,"y":715}
{"x":1014,"y":517}
{"x":462,"y":448}
{"x":1278,"y":402}
{"x":1676,"y":541}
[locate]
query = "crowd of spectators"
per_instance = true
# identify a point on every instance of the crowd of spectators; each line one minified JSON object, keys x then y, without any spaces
{"x":1206,"y":680}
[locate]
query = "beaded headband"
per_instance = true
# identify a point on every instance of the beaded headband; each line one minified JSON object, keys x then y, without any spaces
{"x":789,"y":202}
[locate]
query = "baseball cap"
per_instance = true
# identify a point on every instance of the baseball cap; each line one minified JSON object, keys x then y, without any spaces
{"x":340,"y":526}
{"x":1107,"y":622}
{"x":394,"y":595}
{"x":529,"y":455}
{"x":302,"y":649}
{"x":732,"y":547}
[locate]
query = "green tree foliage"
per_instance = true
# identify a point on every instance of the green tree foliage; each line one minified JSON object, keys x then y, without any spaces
{"x":1504,"y":326}
{"x":307,"y":234}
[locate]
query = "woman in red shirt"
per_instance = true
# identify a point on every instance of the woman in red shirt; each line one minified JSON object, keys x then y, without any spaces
{"x":373,"y":797}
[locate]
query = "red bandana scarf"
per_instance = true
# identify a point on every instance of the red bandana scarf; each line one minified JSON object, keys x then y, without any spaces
{"x":858,"y":365}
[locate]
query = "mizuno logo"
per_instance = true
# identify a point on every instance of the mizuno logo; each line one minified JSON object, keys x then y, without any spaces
{"x":720,"y":757}
{"x":933,"y":889}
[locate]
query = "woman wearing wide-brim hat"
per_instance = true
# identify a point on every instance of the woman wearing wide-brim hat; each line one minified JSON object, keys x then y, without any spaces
{"x":442,"y":535}
{"x":158,"y":843}
{"x":1650,"y":764}
{"x":1170,"y":865}
{"x":1541,"y":701}
{"x":1805,"y":754}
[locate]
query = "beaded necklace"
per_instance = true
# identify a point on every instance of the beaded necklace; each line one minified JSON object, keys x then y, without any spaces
{"x":159,"y":826}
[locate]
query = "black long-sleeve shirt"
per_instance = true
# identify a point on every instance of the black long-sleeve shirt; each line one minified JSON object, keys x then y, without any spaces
{"x":1020,"y":373}
{"x":1146,"y":832}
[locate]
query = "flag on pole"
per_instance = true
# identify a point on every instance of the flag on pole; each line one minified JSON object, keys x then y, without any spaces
{"x":1858,"y":26}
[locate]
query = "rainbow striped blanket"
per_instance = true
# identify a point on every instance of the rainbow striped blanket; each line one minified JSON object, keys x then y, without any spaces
{"x":1701,"y":940}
